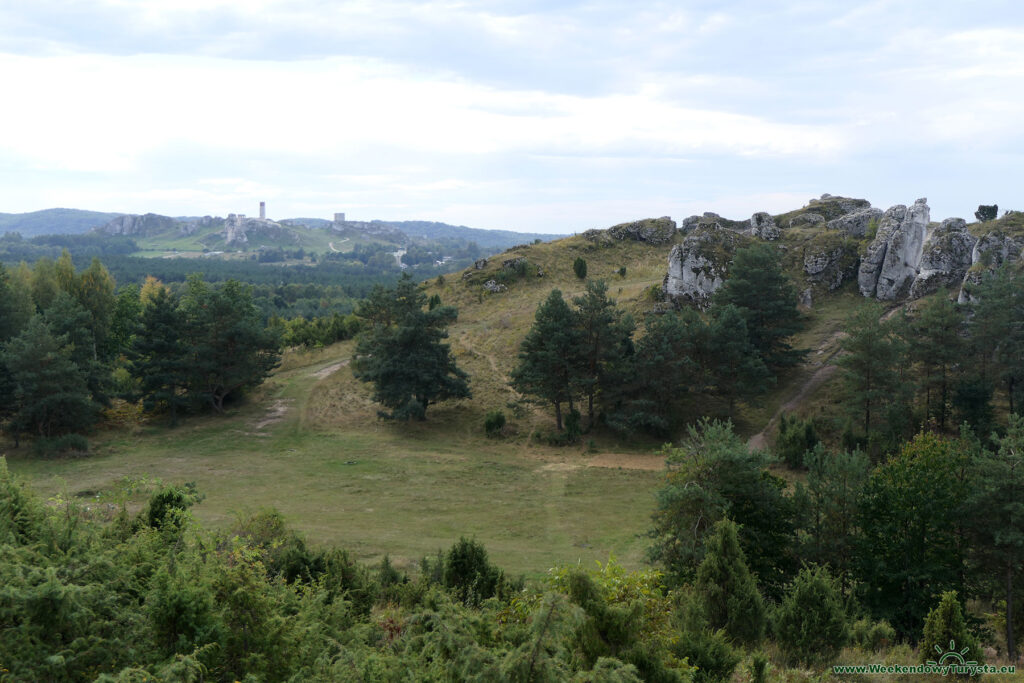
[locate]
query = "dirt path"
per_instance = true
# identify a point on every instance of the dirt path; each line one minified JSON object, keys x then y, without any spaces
{"x":808,"y":387}
{"x":331,"y":245}
{"x":329,"y":370}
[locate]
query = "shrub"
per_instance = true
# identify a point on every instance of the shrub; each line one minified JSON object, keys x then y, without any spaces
{"x":946,"y":629}
{"x":168,"y":499}
{"x":579,"y":266}
{"x":710,"y":652}
{"x":811,"y":624}
{"x":873,"y":636}
{"x":622,"y":271}
{"x":731,"y":599}
{"x":469,"y":573}
{"x":796,"y":437}
{"x":987,"y":212}
{"x":494,"y":422}
{"x":68,"y":444}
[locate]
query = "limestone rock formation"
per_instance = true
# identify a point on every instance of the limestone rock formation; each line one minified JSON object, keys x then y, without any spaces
{"x":480,"y":264}
{"x":855,"y":224}
{"x":829,"y":259}
{"x":494,"y":287}
{"x":134,"y":224}
{"x":891,"y":263}
{"x":762,"y":226}
{"x":807,"y":219}
{"x":945,"y":258}
{"x":697,"y":267}
{"x":235,"y":229}
{"x":650,"y":230}
{"x":990,"y":252}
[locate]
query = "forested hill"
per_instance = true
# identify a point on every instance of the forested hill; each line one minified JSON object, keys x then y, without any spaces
{"x":54,"y":221}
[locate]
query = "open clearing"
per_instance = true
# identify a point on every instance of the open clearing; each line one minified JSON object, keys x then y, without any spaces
{"x":373,"y":487}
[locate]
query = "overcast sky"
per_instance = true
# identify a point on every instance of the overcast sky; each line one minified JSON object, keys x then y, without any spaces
{"x":533,"y":116}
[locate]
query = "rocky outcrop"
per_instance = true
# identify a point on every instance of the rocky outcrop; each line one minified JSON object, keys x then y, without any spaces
{"x":494,"y":287}
{"x":829,"y":260}
{"x":134,"y":224}
{"x":807,"y":219}
{"x":238,"y":230}
{"x":989,"y":253}
{"x":697,"y":267}
{"x":945,"y":258}
{"x":762,"y":226}
{"x":480,"y":264}
{"x":649,"y":230}
{"x":235,"y":232}
{"x":891,"y":264}
{"x":855,"y":224}
{"x":187,"y":228}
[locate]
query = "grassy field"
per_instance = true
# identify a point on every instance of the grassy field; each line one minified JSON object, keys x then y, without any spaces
{"x":345,"y":479}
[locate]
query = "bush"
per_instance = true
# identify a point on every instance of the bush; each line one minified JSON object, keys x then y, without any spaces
{"x":622,"y":271}
{"x":168,"y":499}
{"x":796,"y":437}
{"x":710,"y":652}
{"x":811,"y":624}
{"x":469,"y":573}
{"x":579,"y":266}
{"x":872,"y":636}
{"x":69,"y":444}
{"x":494,"y":422}
{"x":944,"y":626}
{"x":987,"y":212}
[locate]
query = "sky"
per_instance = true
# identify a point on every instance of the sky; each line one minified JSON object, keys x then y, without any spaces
{"x":535,"y":116}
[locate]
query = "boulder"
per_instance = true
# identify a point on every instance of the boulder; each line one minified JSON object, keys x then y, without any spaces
{"x":762,"y":226}
{"x":480,"y":264}
{"x":891,"y":264}
{"x":494,"y":287}
{"x":235,"y":229}
{"x":990,"y":252}
{"x":855,"y":224}
{"x":945,"y":258}
{"x":697,"y":267}
{"x":829,"y":260}
{"x":689,"y":224}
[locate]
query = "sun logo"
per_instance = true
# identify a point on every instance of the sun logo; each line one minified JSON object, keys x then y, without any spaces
{"x":951,"y":657}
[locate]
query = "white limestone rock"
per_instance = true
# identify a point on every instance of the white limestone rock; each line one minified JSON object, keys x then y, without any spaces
{"x":697,"y":267}
{"x":893,"y":258}
{"x":945,"y":258}
{"x":855,"y":224}
{"x":762,"y":226}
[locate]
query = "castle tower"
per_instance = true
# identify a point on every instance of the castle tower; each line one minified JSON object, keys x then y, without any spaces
{"x":339,"y":218}
{"x":263,"y":209}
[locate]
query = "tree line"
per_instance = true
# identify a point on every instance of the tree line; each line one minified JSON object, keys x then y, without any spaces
{"x":70,"y":342}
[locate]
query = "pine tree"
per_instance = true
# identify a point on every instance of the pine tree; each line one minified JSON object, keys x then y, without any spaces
{"x":549,"y":356}
{"x":868,"y":366}
{"x":402,"y":354}
{"x":998,"y":331}
{"x":731,"y":359}
{"x":160,"y":359}
{"x":998,"y":499}
{"x":50,"y":395}
{"x":730,"y":596}
{"x":937,"y":349}
{"x":604,"y":341}
{"x":230,"y":349}
{"x":767,"y":299}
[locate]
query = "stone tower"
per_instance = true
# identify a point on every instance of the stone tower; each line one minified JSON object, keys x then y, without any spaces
{"x":263,"y":209}
{"x":339,"y":218}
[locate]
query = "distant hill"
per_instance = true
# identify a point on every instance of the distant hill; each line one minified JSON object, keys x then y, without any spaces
{"x":487,"y":239}
{"x":54,"y":222}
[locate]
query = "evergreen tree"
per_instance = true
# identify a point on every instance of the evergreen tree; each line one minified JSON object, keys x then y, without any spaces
{"x":913,"y":506}
{"x":835,"y":484}
{"x":946,"y":629}
{"x":998,"y":503}
{"x":402,"y":354}
{"x":549,"y":356}
{"x":731,"y":600}
{"x":604,"y":335}
{"x":160,"y":358}
{"x":731,"y":360}
{"x":712,"y":476}
{"x":811,"y":623}
{"x":998,"y":332}
{"x":50,"y":396}
{"x":579,"y":267}
{"x":94,"y":290}
{"x":868,"y":366}
{"x":936,"y":349}
{"x":124,"y":320}
{"x":230,"y":350}
{"x":767,"y":299}
{"x":71,"y":323}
